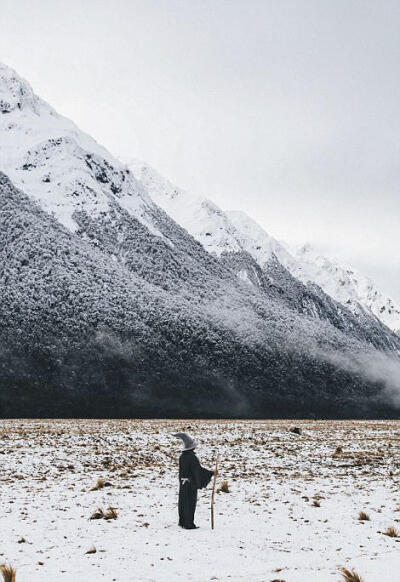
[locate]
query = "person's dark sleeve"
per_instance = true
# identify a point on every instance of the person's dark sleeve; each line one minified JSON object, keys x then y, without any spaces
{"x":201,"y":476}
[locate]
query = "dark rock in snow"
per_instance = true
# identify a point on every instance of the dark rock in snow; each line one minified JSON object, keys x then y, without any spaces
{"x":296,"y":430}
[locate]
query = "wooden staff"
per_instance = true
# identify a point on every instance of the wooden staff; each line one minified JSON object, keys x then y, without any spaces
{"x":213,"y":493}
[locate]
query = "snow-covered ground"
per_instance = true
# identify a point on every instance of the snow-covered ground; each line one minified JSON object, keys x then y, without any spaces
{"x":291,"y":514}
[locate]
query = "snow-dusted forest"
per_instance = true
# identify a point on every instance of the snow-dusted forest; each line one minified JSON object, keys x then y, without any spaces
{"x":199,"y":291}
{"x":122,"y":295}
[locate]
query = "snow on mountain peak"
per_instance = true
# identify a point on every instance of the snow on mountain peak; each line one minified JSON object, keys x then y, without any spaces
{"x":15,"y":92}
{"x":345,"y":284}
{"x":69,"y":173}
{"x":256,"y":241}
{"x":235,"y":231}
{"x":62,"y":167}
{"x":342,"y":283}
{"x":218,"y":231}
{"x":203,"y":219}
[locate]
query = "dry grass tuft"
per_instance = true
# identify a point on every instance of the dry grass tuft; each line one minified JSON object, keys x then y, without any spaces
{"x":350,"y":576}
{"x":100,"y":483}
{"x":362,"y":516}
{"x":224,"y":488}
{"x":391,"y":532}
{"x":339,"y":450}
{"x":98,"y":514}
{"x":111,"y":513}
{"x":8,"y":572}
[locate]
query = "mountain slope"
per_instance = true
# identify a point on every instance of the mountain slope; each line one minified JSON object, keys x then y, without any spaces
{"x":61,"y":166}
{"x":346,"y":285}
{"x":82,"y":335}
{"x":260,"y":259}
{"x":88,"y":191}
{"x":109,"y":306}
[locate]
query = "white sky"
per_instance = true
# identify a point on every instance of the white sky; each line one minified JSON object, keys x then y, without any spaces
{"x":287,"y":109}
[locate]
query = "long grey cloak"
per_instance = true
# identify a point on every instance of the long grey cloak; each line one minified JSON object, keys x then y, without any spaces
{"x":192,"y":476}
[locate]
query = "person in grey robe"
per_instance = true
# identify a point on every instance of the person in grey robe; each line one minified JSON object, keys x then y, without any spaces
{"x":192,"y":476}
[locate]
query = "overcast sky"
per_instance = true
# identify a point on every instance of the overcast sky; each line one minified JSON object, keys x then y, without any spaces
{"x":289,"y":110}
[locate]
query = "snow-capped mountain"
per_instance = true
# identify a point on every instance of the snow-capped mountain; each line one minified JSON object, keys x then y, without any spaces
{"x":344,"y":284}
{"x":110,"y":305}
{"x":65,"y":169}
{"x":234,"y":231}
{"x":69,"y":173}
{"x":218,"y":231}
{"x":89,"y":191}
{"x":200,"y":217}
{"x":347,"y":286}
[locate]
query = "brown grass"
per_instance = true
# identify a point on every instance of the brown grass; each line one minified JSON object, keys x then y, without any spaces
{"x":224,"y":488}
{"x":98,"y":514}
{"x":350,"y":576}
{"x":391,"y":532}
{"x":362,"y":516}
{"x":111,"y":513}
{"x":100,"y":483}
{"x":8,"y":573}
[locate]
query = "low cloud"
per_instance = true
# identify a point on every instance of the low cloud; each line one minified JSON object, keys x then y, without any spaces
{"x":375,"y":367}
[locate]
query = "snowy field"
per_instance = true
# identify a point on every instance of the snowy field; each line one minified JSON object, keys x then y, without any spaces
{"x":292,"y":513}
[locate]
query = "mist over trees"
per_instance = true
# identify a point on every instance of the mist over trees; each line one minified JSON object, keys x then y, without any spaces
{"x":85,"y":334}
{"x":108,"y":307}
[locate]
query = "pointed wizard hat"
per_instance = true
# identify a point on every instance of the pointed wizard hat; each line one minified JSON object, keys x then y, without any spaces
{"x":188,"y":443}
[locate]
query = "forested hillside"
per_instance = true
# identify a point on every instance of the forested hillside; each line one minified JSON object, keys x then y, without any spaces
{"x":110,"y":307}
{"x":83,"y":335}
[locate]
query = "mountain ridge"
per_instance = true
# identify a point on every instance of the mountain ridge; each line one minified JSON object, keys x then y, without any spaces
{"x":110,"y":306}
{"x":234,"y":231}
